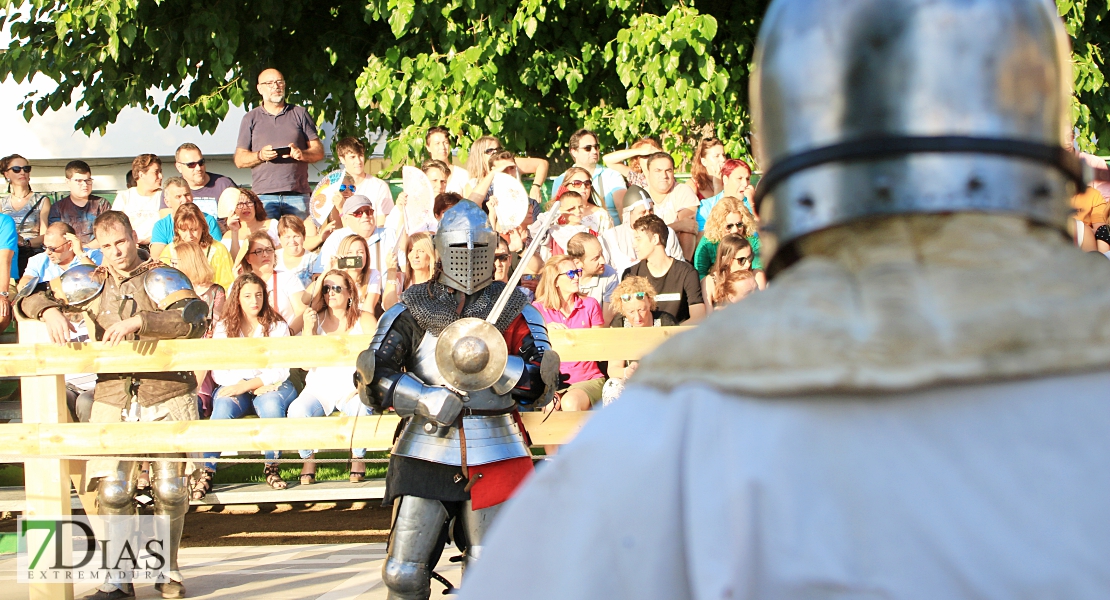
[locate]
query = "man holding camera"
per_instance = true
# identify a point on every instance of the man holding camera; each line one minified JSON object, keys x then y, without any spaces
{"x":276,"y":142}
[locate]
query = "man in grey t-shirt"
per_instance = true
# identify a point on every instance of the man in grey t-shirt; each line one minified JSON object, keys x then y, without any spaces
{"x":276,"y":142}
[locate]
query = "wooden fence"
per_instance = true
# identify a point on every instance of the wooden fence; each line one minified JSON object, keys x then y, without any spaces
{"x":46,"y":430}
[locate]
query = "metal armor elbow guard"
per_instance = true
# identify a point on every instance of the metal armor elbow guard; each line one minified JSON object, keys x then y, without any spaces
{"x":194,"y":312}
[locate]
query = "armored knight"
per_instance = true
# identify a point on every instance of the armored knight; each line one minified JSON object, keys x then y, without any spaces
{"x":460,"y":453}
{"x":916,"y":407}
{"x":129,"y":299}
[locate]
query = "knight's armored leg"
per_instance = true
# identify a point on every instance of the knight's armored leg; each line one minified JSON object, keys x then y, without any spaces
{"x":477,"y":524}
{"x":416,"y":531}
{"x":115,"y":498}
{"x":171,"y":494}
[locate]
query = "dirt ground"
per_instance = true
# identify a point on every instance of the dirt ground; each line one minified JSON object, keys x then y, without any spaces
{"x":319,"y":523}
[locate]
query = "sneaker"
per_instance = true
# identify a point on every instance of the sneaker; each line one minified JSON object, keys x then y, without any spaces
{"x":170,"y":588}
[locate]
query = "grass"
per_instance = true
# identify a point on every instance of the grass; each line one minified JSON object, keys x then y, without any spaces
{"x":252,"y":473}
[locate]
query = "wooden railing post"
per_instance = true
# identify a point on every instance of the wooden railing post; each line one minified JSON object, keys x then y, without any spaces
{"x":46,"y":481}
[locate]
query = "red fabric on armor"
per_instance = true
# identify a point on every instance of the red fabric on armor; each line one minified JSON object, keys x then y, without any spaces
{"x":514,"y":335}
{"x":498,"y":481}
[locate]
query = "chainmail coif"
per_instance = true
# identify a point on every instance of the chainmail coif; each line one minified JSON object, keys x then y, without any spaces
{"x":433,"y":305}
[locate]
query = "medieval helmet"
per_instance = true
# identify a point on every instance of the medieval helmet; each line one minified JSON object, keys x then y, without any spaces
{"x":466,"y":243}
{"x":865,"y":108}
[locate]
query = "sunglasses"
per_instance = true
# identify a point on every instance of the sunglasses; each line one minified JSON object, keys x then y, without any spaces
{"x":743,"y":260}
{"x":585,"y":183}
{"x":333,"y":289}
{"x":590,"y":148}
{"x":732,"y":226}
{"x":194,"y":164}
{"x":633,"y":296}
{"x":20,"y":169}
{"x":527,"y":277}
{"x":363,"y":212}
{"x":346,"y":188}
{"x":492,"y":150}
{"x":500,"y":257}
{"x":573,"y":273}
{"x":55,"y":249}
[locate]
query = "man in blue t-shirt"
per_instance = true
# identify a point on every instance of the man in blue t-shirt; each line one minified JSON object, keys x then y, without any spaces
{"x":175,"y":192}
{"x":61,"y":254}
{"x":9,"y":267}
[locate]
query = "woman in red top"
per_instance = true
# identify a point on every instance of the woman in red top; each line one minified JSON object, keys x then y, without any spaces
{"x":562,"y":307}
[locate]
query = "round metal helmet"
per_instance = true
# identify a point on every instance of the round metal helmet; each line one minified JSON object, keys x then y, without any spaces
{"x":78,"y":286}
{"x":166,"y":285}
{"x":466,"y":243}
{"x":877,"y":107}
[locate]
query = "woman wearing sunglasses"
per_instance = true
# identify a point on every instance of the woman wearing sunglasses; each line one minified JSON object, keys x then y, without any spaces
{"x":634,"y":302}
{"x":577,"y":179}
{"x":29,"y":210}
{"x":334,"y":310}
{"x":248,"y":217}
{"x":562,"y":307}
{"x":734,"y":255}
{"x":729,"y":216}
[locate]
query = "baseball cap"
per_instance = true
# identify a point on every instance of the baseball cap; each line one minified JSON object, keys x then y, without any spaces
{"x":356,"y":202}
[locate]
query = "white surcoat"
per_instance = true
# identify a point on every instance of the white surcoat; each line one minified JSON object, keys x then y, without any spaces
{"x":917,"y":409}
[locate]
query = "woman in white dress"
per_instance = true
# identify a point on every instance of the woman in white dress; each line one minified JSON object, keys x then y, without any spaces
{"x":334,"y":310}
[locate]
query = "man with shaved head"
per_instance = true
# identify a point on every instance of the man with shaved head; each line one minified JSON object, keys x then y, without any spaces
{"x":276,"y":142}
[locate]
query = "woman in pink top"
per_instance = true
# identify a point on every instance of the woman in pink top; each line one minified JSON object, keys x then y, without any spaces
{"x":562,"y":307}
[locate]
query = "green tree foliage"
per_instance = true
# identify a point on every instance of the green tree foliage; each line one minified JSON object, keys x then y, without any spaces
{"x":1087,"y":25}
{"x":529,"y":71}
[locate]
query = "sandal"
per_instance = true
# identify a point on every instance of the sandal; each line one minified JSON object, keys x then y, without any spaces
{"x":273,"y":477}
{"x":308,"y":472}
{"x":203,"y":484}
{"x":358,"y":470}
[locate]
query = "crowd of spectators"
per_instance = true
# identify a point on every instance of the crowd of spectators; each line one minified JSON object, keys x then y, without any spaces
{"x":632,"y":246}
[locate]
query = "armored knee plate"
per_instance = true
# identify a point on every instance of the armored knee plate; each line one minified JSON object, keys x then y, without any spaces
{"x":115,"y":493}
{"x":406,"y":571}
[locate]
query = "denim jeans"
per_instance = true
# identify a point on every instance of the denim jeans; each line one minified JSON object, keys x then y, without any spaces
{"x":271,"y":405}
{"x":278,"y":205}
{"x":308,"y":405}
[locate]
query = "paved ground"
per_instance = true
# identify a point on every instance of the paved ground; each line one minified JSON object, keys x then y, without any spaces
{"x":287,"y":572}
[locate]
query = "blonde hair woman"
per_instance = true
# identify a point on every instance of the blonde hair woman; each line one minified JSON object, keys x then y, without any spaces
{"x":333,"y":310}
{"x":563,"y":307}
{"x":729,"y":216}
{"x":368,"y":280}
{"x":420,"y":265}
{"x":634,"y":302}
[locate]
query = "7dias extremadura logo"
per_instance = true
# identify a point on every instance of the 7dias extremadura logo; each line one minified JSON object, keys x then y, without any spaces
{"x":93,"y":548}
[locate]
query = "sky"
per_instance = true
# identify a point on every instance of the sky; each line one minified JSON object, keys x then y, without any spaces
{"x":51,"y":136}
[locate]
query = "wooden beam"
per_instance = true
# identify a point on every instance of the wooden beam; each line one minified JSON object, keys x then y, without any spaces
{"x":629,"y":343}
{"x":373,"y":433}
{"x":303,"y":352}
{"x":182,"y":355}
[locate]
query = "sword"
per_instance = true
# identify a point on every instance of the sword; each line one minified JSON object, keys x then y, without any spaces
{"x":539,"y":238}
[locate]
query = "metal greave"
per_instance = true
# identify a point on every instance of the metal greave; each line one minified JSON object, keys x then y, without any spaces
{"x":171,"y":498}
{"x":416,"y":531}
{"x":476,"y":524}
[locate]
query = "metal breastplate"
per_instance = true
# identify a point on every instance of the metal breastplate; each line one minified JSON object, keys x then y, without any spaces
{"x":424,"y":368}
{"x":488,"y":438}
